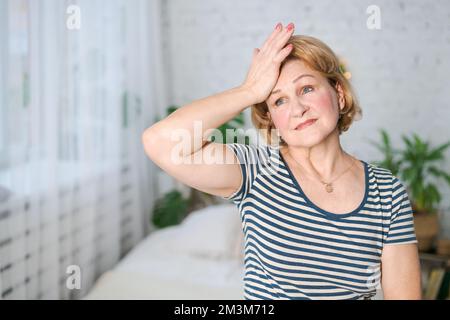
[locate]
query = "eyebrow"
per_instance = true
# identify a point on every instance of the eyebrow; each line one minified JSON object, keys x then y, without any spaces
{"x":293,"y":81}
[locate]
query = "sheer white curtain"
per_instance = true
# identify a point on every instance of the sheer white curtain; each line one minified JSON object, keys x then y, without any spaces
{"x":75,"y":185}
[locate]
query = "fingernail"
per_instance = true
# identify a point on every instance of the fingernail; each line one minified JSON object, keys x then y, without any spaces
{"x":278,"y":26}
{"x":290,"y":26}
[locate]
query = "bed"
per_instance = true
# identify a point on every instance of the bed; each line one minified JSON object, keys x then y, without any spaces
{"x":200,"y":259}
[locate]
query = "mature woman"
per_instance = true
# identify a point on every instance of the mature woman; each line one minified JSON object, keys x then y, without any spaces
{"x":318,"y":223}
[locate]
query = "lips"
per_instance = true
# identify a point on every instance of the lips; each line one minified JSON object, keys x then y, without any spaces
{"x":305,"y":124}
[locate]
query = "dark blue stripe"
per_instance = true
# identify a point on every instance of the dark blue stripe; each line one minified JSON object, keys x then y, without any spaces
{"x":400,"y":240}
{"x":401,"y":234}
{"x":248,"y":285}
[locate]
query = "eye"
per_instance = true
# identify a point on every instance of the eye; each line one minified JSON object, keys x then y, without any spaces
{"x":307,"y":87}
{"x":303,"y":91}
{"x":275,"y":103}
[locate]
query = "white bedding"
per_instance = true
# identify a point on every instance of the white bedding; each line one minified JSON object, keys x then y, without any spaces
{"x":201,"y":259}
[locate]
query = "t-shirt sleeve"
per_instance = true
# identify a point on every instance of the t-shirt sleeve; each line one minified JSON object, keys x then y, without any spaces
{"x":249,"y":158}
{"x":401,"y":227}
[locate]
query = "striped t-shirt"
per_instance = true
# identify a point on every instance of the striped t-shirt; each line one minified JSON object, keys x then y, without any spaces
{"x":296,"y":250}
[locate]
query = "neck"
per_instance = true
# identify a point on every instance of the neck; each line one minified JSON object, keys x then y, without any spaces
{"x":326,"y":159}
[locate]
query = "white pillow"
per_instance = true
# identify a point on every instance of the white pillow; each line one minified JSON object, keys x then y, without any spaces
{"x":211,"y":233}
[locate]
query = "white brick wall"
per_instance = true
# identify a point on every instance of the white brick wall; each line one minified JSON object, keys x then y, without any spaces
{"x":400,"y":73}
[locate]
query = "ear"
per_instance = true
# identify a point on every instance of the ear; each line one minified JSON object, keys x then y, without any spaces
{"x":340,"y":96}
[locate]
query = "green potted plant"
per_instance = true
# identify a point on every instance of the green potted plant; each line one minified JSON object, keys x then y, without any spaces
{"x":172,"y":207}
{"x":417,"y":164}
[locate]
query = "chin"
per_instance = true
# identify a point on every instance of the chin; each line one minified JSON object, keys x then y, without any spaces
{"x":308,"y":144}
{"x":304,"y":143}
{"x":305,"y":139}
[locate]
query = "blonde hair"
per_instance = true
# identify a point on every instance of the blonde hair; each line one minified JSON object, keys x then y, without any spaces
{"x":318,"y":57}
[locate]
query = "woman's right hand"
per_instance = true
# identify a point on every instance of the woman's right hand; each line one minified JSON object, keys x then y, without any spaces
{"x":265,"y":68}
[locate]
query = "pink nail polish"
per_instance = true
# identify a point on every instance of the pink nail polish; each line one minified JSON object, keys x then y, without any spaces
{"x":290,"y":26}
{"x":278,"y":26}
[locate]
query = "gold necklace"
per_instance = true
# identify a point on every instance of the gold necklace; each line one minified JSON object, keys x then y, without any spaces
{"x":328,"y":185}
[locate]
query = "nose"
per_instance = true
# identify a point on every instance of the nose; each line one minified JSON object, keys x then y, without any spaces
{"x":298,"y":109}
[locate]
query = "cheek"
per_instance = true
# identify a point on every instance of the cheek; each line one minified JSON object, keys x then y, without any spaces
{"x":325,"y":106}
{"x":325,"y":102}
{"x":281,"y":119}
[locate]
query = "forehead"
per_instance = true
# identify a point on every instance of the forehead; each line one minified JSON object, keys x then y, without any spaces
{"x":293,"y":69}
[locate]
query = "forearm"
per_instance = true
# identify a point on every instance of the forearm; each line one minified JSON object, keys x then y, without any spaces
{"x":211,"y":112}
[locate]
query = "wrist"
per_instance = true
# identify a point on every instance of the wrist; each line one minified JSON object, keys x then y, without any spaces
{"x":250,"y":94}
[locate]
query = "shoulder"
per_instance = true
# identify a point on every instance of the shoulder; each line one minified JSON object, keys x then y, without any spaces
{"x":384,"y":175}
{"x":389,"y":182}
{"x":251,"y":153}
{"x":380,"y":171}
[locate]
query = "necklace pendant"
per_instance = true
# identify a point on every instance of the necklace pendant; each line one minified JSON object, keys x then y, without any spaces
{"x":329,"y":187}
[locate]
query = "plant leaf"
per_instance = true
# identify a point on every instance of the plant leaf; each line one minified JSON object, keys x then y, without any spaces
{"x":437,"y":153}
